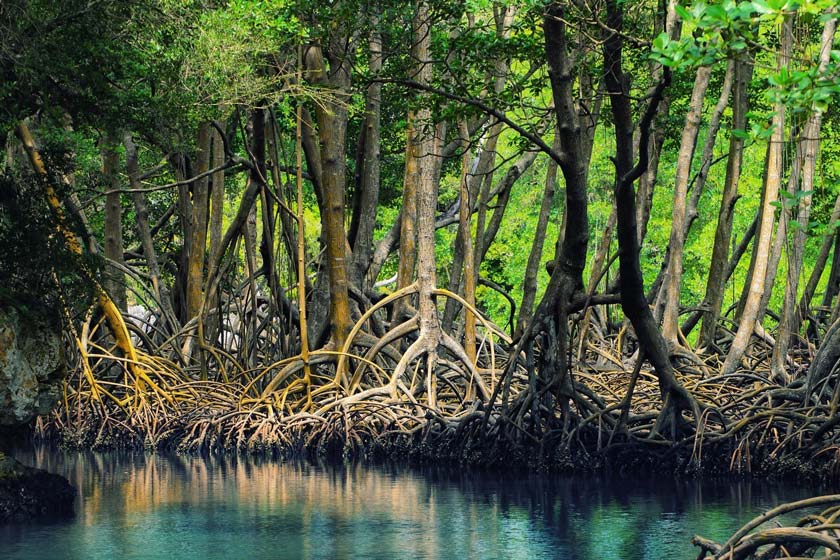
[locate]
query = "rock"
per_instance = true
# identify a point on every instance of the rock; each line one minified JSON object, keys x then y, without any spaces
{"x":31,"y":372}
{"x":27,"y":493}
{"x":31,"y":364}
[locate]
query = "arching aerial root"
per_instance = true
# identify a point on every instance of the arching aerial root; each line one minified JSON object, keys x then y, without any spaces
{"x":391,"y":392}
{"x":816,"y":535}
{"x":353,"y":396}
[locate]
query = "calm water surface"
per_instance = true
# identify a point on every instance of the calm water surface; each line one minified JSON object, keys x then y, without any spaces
{"x":172,"y":507}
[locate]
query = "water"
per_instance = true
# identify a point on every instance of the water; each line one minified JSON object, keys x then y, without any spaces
{"x":137,"y":506}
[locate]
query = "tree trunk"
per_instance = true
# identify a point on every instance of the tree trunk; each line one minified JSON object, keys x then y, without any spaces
{"x":673,"y":275}
{"x":466,"y":246}
{"x":809,"y":143}
{"x":144,"y":233}
{"x":570,"y":260}
{"x":819,"y":267}
{"x":198,"y":227}
{"x":217,"y":195}
{"x":332,"y":128}
{"x":529,"y":284}
{"x":668,"y":22}
{"x":832,"y":286}
{"x":408,"y":215}
{"x":707,"y":158}
{"x":633,"y":300}
{"x":739,"y":251}
{"x":180,"y":168}
{"x":115,"y":278}
{"x":713,"y":299}
{"x":364,"y":219}
{"x":764,"y":236}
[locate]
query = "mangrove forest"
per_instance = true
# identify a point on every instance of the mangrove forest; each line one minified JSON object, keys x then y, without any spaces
{"x":596,"y":239}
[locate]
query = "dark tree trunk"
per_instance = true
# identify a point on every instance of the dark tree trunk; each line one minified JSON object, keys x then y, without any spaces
{"x":633,"y":300}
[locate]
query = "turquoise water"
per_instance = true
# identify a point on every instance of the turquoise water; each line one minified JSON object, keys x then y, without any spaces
{"x":138,"y":506}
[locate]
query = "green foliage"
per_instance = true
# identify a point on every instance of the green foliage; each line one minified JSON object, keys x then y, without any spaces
{"x":35,"y":265}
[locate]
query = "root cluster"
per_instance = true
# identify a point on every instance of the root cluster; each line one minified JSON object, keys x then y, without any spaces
{"x":380,"y":393}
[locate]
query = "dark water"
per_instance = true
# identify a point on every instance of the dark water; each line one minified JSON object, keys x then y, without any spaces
{"x":172,"y":507}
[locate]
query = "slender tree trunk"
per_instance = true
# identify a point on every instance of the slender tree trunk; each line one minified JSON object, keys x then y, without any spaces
{"x":668,"y":22}
{"x":389,"y":241}
{"x":673,"y":275}
{"x":198,"y":228}
{"x":332,"y":129}
{"x":483,"y":180}
{"x":781,"y":237}
{"x":707,"y":158}
{"x":144,"y":233}
{"x":819,"y":266}
{"x":217,"y":194}
{"x":463,"y":237}
{"x":832,"y":286}
{"x":765,"y":233}
{"x":466,"y":246}
{"x":502,"y":192}
{"x":713,"y":300}
{"x":427,"y":145}
{"x":487,"y":159}
{"x":809,"y":143}
{"x":408,"y":215}
{"x":739,"y":252}
{"x":364,"y":220}
{"x":180,"y":168}
{"x":115,"y":278}
{"x":529,"y":284}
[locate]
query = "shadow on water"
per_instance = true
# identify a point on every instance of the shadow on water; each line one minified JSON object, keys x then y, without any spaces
{"x":133,"y":505}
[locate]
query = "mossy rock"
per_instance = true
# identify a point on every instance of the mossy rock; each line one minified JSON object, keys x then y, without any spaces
{"x":27,"y":493}
{"x":31,"y":363}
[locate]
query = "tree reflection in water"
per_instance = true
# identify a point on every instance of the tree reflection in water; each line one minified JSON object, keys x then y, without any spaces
{"x":134,"y":505}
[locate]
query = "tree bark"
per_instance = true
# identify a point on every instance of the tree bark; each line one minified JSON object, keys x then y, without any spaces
{"x":466,"y":246}
{"x":570,"y":260}
{"x":633,"y":300}
{"x":332,"y":129}
{"x":713,"y":299}
{"x":198,"y":227}
{"x":688,"y":144}
{"x":364,"y":219}
{"x":217,"y":195}
{"x":810,"y":145}
{"x":115,"y":278}
{"x":764,"y":236}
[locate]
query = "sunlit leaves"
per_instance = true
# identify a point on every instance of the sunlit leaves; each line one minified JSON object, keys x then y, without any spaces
{"x":729,"y":28}
{"x":244,"y":52}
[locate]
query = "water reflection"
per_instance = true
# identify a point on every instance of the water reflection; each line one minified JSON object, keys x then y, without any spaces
{"x":151,"y":507}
